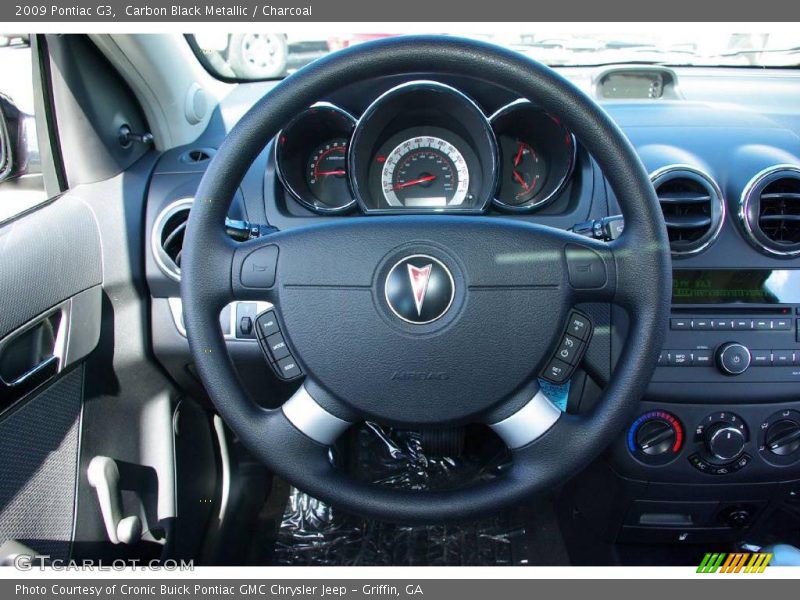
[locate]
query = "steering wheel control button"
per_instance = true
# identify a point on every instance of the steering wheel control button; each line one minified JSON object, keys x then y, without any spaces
{"x":288,"y":369}
{"x":733,"y":358}
{"x":276,"y":346}
{"x":267,"y":324}
{"x":557,"y":371}
{"x":570,"y":349}
{"x":656,"y":437}
{"x":585,"y":268}
{"x":579,"y":326}
{"x":259,"y":267}
{"x":779,"y":438}
{"x":419,"y":289}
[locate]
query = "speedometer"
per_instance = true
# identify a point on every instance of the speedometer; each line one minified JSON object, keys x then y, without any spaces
{"x":425,"y":172}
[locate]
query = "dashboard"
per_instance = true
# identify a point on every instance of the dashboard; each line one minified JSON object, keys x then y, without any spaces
{"x":424,"y":146}
{"x":716,"y":445}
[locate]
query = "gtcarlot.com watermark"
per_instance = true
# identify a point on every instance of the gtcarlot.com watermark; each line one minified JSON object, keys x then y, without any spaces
{"x":23,"y":562}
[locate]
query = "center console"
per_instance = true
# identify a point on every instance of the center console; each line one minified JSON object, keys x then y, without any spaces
{"x":723,"y":408}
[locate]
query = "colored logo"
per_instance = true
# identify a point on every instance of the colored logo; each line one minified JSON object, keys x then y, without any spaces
{"x":419,"y":289}
{"x":737,"y":562}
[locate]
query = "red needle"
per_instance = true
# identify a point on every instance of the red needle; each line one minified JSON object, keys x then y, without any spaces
{"x":518,"y":157}
{"x":521,"y":180}
{"x":405,"y":184}
{"x":334,"y":172}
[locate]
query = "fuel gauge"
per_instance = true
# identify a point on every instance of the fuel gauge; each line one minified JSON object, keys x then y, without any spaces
{"x":524,"y":172}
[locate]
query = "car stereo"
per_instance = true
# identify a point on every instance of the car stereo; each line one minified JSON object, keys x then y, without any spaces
{"x":732,"y":325}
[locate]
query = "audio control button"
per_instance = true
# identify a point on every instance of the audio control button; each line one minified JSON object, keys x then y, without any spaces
{"x":761,"y":358}
{"x":782,"y":324}
{"x":702,"y":358}
{"x":742,"y":324}
{"x":782,"y":358}
{"x":733,"y":358}
{"x":680,"y":324}
{"x":681,"y":358}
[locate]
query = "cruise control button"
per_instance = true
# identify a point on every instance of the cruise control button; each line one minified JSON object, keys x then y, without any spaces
{"x":267,"y":324}
{"x":761,"y":358}
{"x":579,"y":326}
{"x":277,"y":346}
{"x":288,"y":368}
{"x":569,"y":349}
{"x":557,"y":371}
{"x":702,"y":358}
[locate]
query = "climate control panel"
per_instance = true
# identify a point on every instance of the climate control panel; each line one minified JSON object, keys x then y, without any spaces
{"x":689,"y":443}
{"x":720,"y":441}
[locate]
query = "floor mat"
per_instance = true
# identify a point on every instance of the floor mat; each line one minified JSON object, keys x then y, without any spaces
{"x":313,"y":533}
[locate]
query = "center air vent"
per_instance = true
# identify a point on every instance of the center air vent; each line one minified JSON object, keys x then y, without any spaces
{"x":167,"y":237}
{"x":770,"y":211}
{"x":693,"y":207}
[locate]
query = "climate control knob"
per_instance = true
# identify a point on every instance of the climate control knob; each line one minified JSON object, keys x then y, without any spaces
{"x":724,"y":441}
{"x":733,"y":358}
{"x":783,"y":437}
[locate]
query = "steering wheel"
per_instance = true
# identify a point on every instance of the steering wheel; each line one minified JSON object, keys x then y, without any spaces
{"x":513,"y":285}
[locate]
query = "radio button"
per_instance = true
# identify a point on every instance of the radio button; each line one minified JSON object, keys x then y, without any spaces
{"x":664,"y":358}
{"x":681,"y":358}
{"x":762,"y":324}
{"x":680,"y":324}
{"x":761,"y":358}
{"x":782,"y":358}
{"x":701,"y":324}
{"x":741,"y":324}
{"x":733,"y":358}
{"x":721,"y":324}
{"x":701,"y":358}
{"x":782,"y":324}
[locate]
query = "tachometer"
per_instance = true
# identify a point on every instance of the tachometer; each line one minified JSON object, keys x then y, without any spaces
{"x":425,"y":172}
{"x":326,"y":172}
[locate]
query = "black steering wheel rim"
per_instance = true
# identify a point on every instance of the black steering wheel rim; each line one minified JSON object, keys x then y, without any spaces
{"x":639,"y":260}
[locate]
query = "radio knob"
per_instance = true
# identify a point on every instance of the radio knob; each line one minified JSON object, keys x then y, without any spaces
{"x":733,"y":358}
{"x":724,"y":441}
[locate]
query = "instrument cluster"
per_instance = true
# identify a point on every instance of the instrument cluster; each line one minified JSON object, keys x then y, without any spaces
{"x":424,"y":147}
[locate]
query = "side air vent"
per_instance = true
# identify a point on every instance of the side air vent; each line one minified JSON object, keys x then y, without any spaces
{"x":693,"y":207}
{"x":167,"y":238}
{"x":770,"y":211}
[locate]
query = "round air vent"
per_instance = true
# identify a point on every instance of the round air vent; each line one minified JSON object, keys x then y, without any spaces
{"x":167,"y":238}
{"x":770,"y":211}
{"x":693,"y":207}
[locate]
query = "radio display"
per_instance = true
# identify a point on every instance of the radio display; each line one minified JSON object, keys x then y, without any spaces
{"x":743,"y":286}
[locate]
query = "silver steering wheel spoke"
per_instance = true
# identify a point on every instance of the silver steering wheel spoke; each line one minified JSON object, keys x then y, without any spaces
{"x":530,"y":422}
{"x":311,"y":419}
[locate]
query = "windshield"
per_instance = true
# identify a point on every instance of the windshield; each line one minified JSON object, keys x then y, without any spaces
{"x":250,"y":56}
